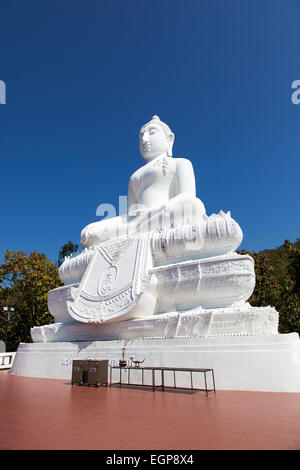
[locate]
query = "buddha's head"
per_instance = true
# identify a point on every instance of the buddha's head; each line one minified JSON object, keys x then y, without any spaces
{"x":156,"y":138}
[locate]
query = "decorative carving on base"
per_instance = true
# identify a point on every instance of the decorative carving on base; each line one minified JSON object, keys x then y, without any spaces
{"x":240,"y":320}
{"x":116,"y":277}
{"x":211,"y":282}
{"x":205,"y":283}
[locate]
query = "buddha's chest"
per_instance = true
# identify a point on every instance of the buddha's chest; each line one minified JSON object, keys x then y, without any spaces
{"x":158,"y":172}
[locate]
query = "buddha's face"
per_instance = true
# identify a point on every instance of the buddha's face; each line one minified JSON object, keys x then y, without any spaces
{"x":154,"y":142}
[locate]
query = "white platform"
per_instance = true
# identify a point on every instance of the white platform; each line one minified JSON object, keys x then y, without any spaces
{"x":257,"y":363}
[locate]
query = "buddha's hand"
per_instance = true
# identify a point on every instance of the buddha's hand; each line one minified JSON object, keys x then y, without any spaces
{"x":145,"y":213}
{"x":136,"y":212}
{"x":156,"y":210}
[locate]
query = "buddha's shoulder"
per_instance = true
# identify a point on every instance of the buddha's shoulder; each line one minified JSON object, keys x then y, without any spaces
{"x":136,"y":175}
{"x":183,"y":162}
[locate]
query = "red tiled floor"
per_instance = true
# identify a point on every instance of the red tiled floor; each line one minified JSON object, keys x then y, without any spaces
{"x":53,"y":414}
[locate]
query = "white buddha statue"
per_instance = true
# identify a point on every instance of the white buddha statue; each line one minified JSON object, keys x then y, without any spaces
{"x":161,"y":194}
{"x":164,"y":269}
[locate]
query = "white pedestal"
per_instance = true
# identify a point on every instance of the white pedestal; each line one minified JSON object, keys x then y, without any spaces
{"x":257,"y":363}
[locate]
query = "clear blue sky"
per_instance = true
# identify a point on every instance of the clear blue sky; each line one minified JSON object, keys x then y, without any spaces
{"x":83,"y":76}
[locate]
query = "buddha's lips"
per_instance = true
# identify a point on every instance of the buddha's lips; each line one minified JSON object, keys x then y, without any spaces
{"x":146,"y":147}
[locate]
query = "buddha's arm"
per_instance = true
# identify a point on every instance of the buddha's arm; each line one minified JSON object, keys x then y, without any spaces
{"x":185,"y":178}
{"x":133,"y":207}
{"x":185,"y":194}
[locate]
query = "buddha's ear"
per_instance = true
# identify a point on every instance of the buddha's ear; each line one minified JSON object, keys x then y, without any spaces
{"x":171,"y":138}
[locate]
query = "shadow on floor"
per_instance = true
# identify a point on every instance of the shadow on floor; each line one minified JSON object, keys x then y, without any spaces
{"x":148,"y":388}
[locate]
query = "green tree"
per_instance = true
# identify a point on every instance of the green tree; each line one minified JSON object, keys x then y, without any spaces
{"x":278,"y":283}
{"x":25,"y":281}
{"x":66,"y":250}
{"x":267,"y":289}
{"x":293,"y":250}
{"x":290,"y":306}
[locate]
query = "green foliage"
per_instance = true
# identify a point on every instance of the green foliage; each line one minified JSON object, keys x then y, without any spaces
{"x":25,"y":281}
{"x":66,"y":250}
{"x":278,"y":283}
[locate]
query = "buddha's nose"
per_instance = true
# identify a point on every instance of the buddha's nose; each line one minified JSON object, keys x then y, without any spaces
{"x":145,"y":137}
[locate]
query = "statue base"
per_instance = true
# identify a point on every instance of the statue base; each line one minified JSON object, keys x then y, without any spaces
{"x":241,"y":319}
{"x":255,"y":363}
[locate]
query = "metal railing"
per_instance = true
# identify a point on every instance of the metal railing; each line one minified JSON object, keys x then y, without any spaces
{"x":6,"y":360}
